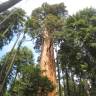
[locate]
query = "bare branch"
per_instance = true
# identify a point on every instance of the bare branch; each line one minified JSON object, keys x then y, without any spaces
{"x":8,"y":4}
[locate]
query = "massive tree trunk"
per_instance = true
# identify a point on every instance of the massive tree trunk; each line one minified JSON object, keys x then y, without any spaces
{"x":47,"y":61}
{"x":8,"y":4}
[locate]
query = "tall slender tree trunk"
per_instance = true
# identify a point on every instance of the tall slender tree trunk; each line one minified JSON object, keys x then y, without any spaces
{"x":67,"y":81}
{"x":6,"y":75}
{"x":5,"y":67}
{"x":80,"y":87}
{"x":74,"y":85}
{"x":3,"y":80}
{"x":64,"y":85}
{"x":58,"y":70}
{"x":47,"y":61}
{"x":86,"y":87}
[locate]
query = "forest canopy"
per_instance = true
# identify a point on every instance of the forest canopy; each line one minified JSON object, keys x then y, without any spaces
{"x":51,"y":30}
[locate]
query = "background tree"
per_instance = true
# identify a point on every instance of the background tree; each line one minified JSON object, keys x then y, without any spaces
{"x":79,"y":38}
{"x":25,"y":78}
{"x":23,"y":57}
{"x":12,"y":24}
{"x":10,"y":66}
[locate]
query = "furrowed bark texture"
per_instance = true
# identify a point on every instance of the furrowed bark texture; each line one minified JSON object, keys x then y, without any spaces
{"x":47,"y":61}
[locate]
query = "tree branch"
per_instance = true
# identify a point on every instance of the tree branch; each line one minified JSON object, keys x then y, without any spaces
{"x":8,"y":4}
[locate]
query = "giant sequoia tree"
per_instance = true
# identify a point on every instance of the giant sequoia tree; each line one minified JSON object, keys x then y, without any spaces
{"x":45,"y":21}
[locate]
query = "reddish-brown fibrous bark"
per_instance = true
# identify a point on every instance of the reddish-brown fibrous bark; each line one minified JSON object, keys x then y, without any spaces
{"x":47,"y":61}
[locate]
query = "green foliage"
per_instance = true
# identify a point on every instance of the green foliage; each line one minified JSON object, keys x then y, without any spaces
{"x":33,"y":23}
{"x":10,"y":23}
{"x":24,"y":57}
{"x":77,"y":50}
{"x":52,"y":23}
{"x":32,"y":83}
{"x":25,"y":78}
{"x":49,"y":17}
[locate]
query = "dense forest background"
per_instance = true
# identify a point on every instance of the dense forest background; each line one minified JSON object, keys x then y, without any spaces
{"x":51,"y":30}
